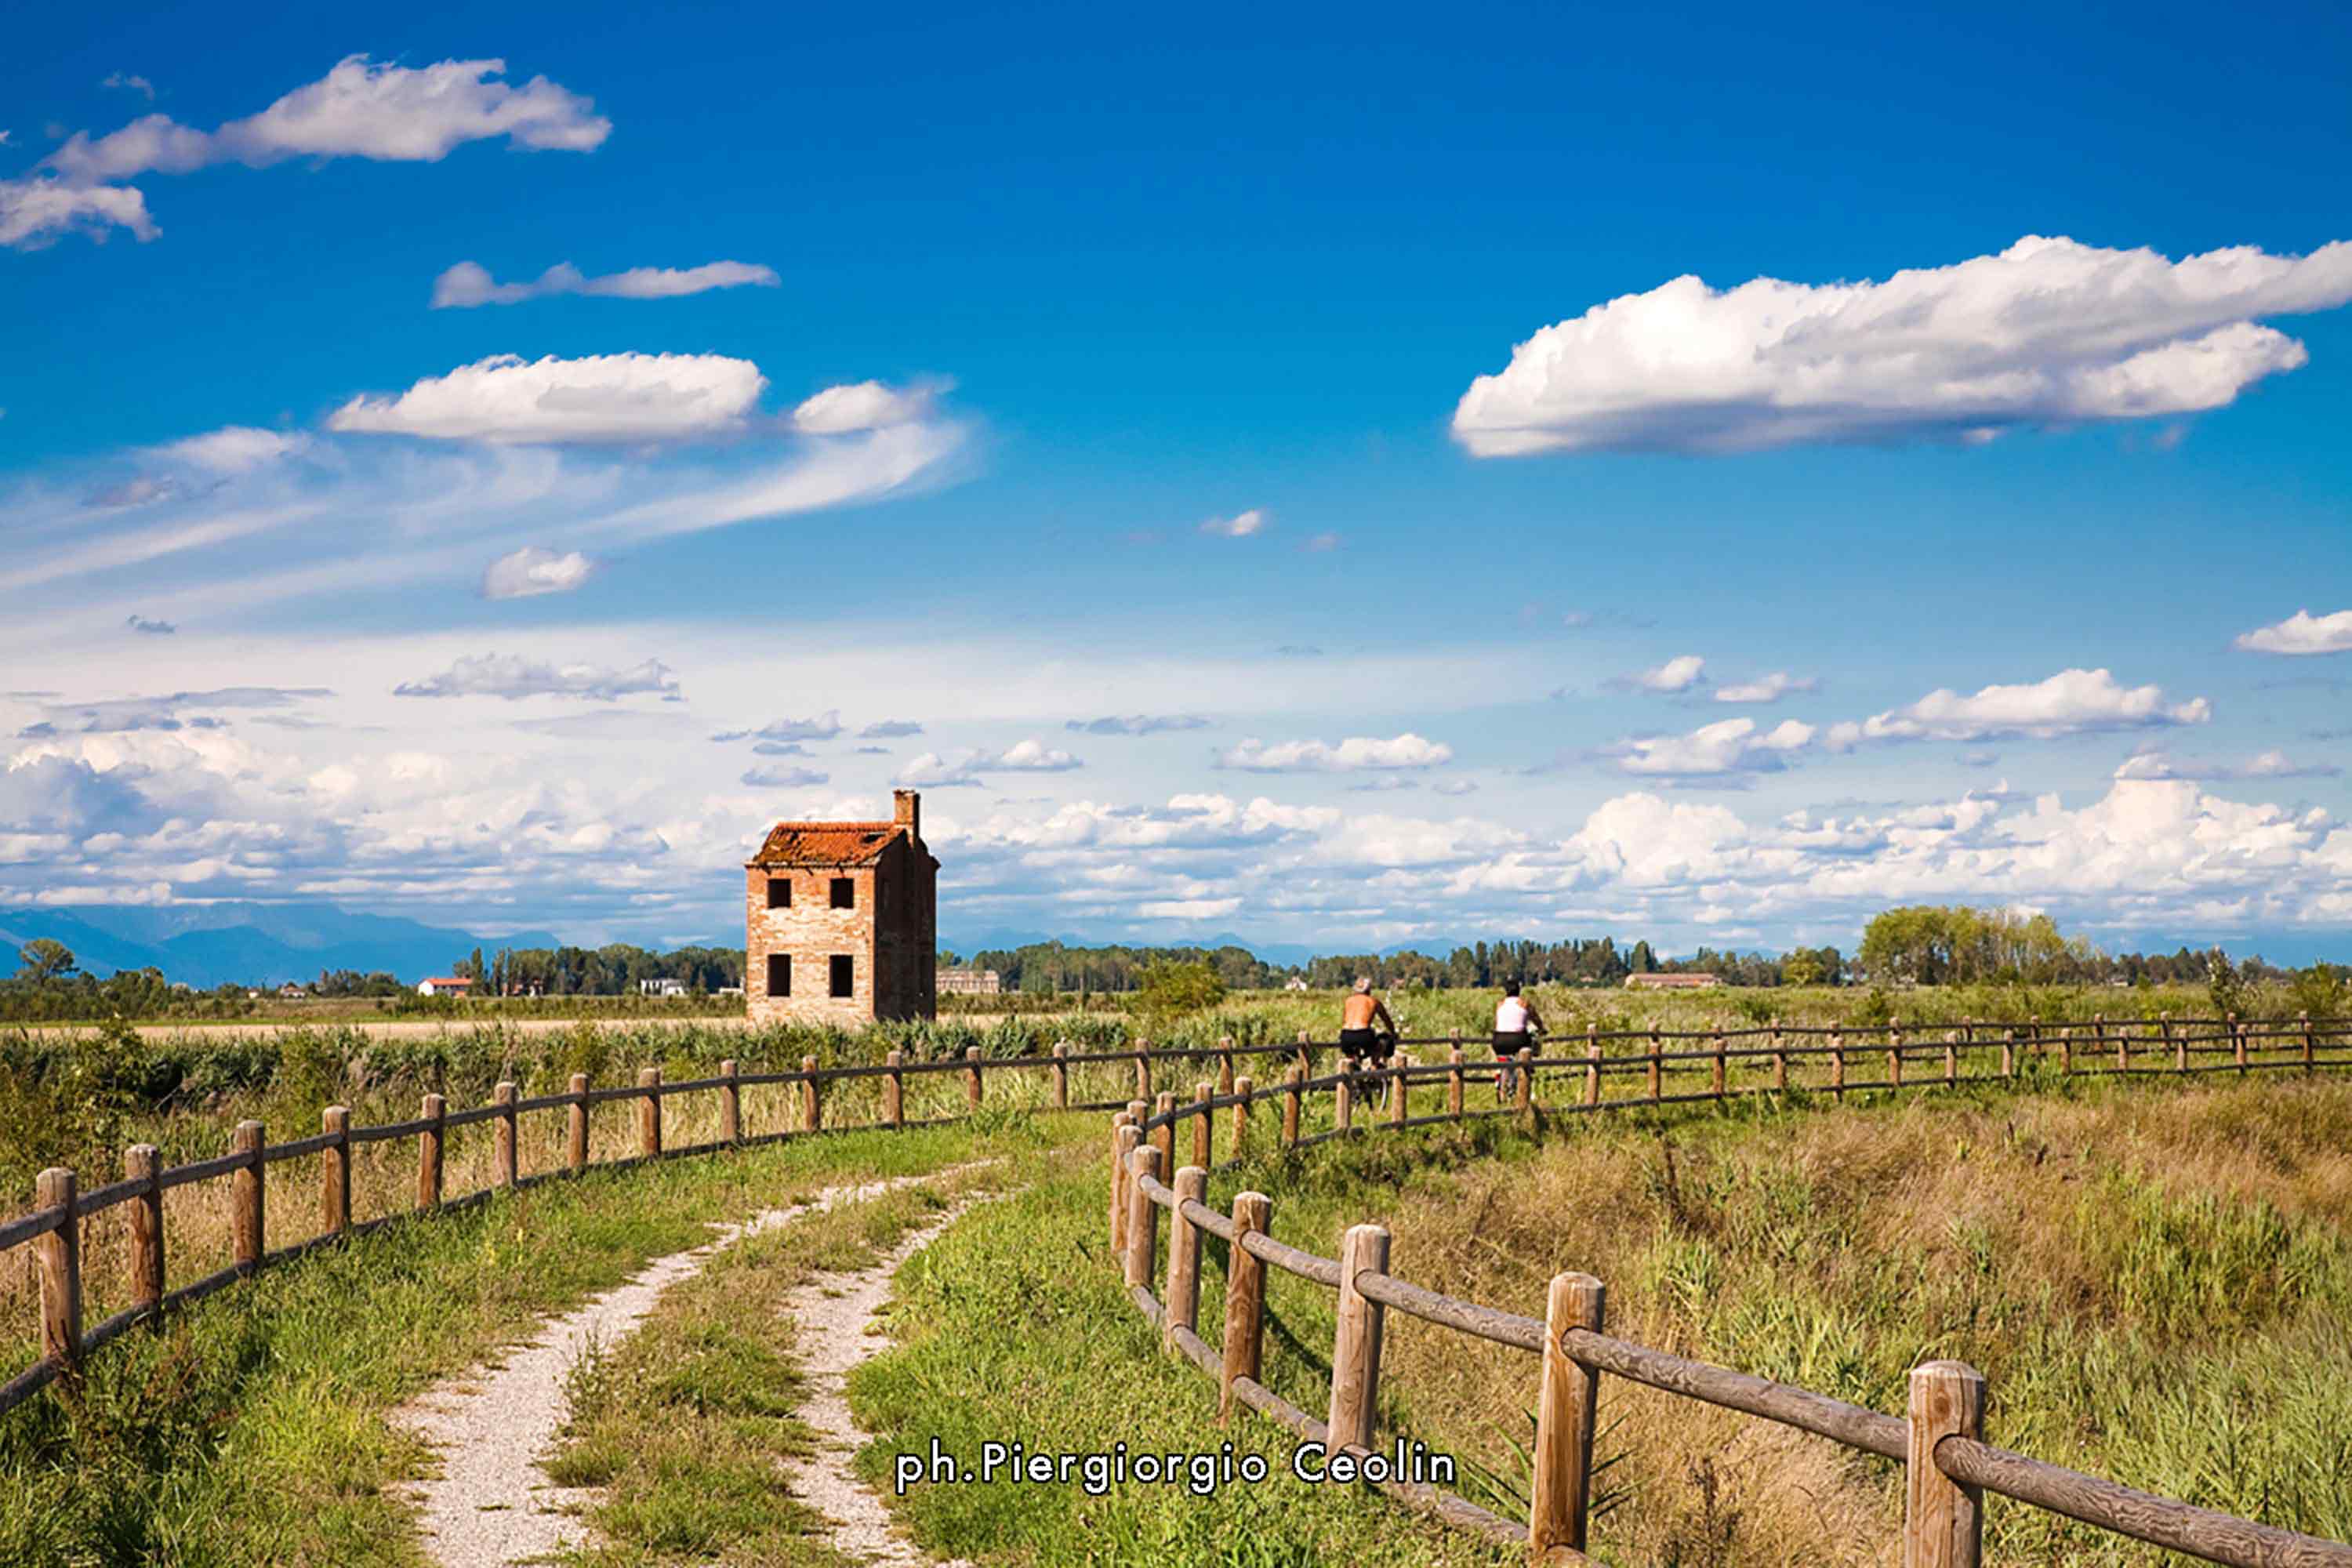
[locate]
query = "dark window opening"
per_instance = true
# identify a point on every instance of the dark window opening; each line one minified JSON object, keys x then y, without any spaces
{"x":780,"y":893}
{"x":845,"y":893}
{"x":844,"y":974}
{"x":779,"y":974}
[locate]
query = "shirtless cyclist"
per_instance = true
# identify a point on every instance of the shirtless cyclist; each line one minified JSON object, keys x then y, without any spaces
{"x":1362,"y":1016}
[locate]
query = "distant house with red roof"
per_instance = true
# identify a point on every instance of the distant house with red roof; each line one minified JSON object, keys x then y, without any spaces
{"x":841,"y":920}
{"x":446,"y":985}
{"x":1692,"y":980}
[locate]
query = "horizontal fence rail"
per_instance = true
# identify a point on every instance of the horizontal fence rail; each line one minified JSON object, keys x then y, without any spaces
{"x":1949,"y":1468}
{"x":1726,"y":1063}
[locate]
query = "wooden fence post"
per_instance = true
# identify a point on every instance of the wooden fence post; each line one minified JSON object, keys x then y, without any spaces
{"x":140,"y":1163}
{"x":1204,"y":1125}
{"x":1307,"y":1052}
{"x":730,"y":1104}
{"x":2179,"y":1046}
{"x":2034,"y":1035}
{"x":1117,"y":1211}
{"x":58,"y":1255}
{"x":1342,"y":1105}
{"x":2009,"y":1053}
{"x":1225,"y":1065}
{"x":504,"y":1164}
{"x":1719,"y":1065}
{"x":1894,"y":1053}
{"x":2123,"y":1048}
{"x":2066,"y":1048}
{"x":1837,"y":1064}
{"x":1061,"y":1074}
{"x":649,"y":1110}
{"x":2310,"y":1045}
{"x":1184,"y":1253}
{"x":1356,"y":1340}
{"x":1593,"y":1050}
{"x":1454,"y":1081}
{"x":971,"y":1086}
{"x":1527,"y":1090}
{"x":1943,"y":1522}
{"x":812,"y":1112}
{"x":1656,"y":1068}
{"x":1142,"y":1215}
{"x":1243,"y":1086}
{"x":894,"y":1089}
{"x":1951,"y":1058}
{"x":1780,"y":1060}
{"x":576,"y":1117}
{"x":245,"y":1198}
{"x":1561,"y":1496}
{"x":1124,"y":1138}
{"x":1399,"y":1087}
{"x":335,"y":1171}
{"x":1143,"y":1069}
{"x":1294,"y":1075}
{"x":2238,"y":1042}
{"x":428,"y":1154}
{"x":1244,"y":1300}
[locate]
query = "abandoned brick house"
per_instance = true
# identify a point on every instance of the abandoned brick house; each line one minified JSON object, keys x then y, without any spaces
{"x":841,"y":920}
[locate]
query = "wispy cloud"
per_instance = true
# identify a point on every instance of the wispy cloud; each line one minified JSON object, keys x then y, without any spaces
{"x":531,"y":570}
{"x":359,"y":110}
{"x":823,"y":727}
{"x":1677,"y":674}
{"x":1136,"y":725}
{"x":865,"y":406}
{"x":782,"y":778}
{"x":469,"y":284}
{"x":152,"y":629}
{"x":1764,"y":688}
{"x":1356,"y":753}
{"x":1241,"y":525}
{"x":512,"y":677}
{"x":128,"y":83}
{"x":891,"y":730}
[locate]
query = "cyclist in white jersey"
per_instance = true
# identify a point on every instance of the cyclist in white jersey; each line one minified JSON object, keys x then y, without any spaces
{"x":1516,"y":1025}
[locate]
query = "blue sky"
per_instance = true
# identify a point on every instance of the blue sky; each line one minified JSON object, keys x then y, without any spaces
{"x":1177,"y":374}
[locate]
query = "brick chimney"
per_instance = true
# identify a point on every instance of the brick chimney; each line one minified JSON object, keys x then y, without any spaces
{"x":907,"y":812}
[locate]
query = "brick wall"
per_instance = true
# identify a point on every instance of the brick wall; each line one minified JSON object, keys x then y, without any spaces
{"x":891,"y":933}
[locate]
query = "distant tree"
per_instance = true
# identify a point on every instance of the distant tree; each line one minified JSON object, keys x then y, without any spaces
{"x":1174,"y":990}
{"x":46,"y":958}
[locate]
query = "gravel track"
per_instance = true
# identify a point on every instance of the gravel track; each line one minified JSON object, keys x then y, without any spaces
{"x":492,"y":1504}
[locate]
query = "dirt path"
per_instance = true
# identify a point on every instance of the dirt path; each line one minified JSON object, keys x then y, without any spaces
{"x":836,"y":1317}
{"x":492,"y":1503}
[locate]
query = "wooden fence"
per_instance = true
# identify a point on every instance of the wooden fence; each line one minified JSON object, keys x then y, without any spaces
{"x":1729,"y":1063}
{"x":1949,"y":1468}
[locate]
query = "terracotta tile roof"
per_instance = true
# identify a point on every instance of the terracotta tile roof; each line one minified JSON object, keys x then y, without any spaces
{"x":826,"y":843}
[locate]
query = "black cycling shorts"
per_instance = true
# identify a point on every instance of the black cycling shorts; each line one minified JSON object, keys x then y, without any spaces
{"x":1358,"y":1042}
{"x":1510,"y":1043}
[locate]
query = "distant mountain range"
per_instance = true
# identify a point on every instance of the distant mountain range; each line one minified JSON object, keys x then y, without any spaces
{"x":205,"y":945}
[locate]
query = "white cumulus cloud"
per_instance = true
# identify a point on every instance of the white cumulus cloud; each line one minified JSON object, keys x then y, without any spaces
{"x":2302,"y":633}
{"x":1728,"y":746}
{"x":531,"y":570}
{"x":2069,"y":702}
{"x":36,"y":211}
{"x":1356,"y":753}
{"x":602,"y":398}
{"x":2047,"y":332}
{"x":470,"y":283}
{"x":966,"y":765}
